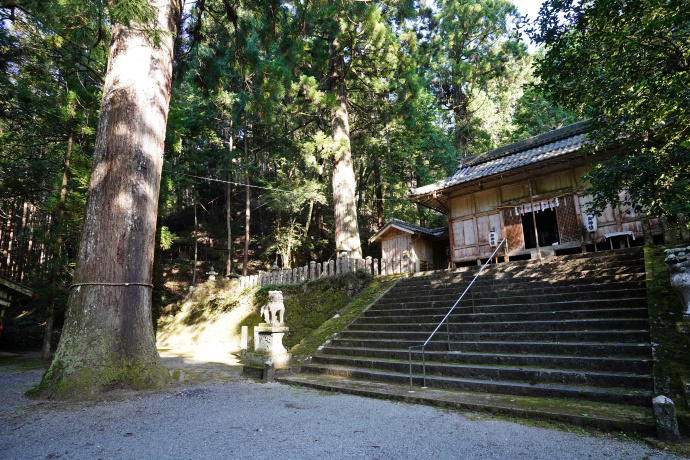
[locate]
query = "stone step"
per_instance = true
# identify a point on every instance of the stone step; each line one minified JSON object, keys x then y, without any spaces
{"x":514,"y":282}
{"x":423,"y":308}
{"x":568,"y":327}
{"x":549,"y":390}
{"x":583,"y":363}
{"x":526,"y":288}
{"x":591,"y":349}
{"x":493,"y":372}
{"x":463,"y":316}
{"x":588,"y":260}
{"x":509,"y":298}
{"x":564,"y":325}
{"x":604,"y":416}
{"x":555,"y":264}
{"x":416,"y":338}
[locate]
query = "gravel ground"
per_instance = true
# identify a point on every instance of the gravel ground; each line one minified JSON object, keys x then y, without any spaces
{"x":232,"y":418}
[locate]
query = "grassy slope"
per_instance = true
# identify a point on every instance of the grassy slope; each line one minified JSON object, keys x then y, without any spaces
{"x":310,"y":312}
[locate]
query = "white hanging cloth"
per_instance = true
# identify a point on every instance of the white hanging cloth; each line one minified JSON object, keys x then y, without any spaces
{"x":538,"y":206}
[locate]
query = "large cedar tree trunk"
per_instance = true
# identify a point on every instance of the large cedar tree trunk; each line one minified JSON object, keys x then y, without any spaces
{"x":461,"y":119}
{"x":108,"y":339}
{"x":344,"y":184}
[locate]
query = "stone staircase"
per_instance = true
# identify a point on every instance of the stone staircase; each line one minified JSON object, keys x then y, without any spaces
{"x":572,"y":327}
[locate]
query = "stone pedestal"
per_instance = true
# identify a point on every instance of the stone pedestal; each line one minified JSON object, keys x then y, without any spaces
{"x":268,"y":345}
{"x":269,"y":352}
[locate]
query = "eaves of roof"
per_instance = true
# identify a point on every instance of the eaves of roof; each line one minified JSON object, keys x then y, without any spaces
{"x":527,"y":152}
{"x":16,"y":287}
{"x":410,"y":228}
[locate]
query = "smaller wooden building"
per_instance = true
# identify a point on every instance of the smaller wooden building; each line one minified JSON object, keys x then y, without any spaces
{"x":531,"y":193}
{"x":428,"y":246}
{"x":9,"y":291}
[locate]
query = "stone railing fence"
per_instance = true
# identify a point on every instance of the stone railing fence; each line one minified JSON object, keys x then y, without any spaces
{"x":317,"y":270}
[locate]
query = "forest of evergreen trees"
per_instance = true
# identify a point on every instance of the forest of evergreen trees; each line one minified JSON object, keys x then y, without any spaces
{"x":252,"y":102}
{"x":267,"y":131}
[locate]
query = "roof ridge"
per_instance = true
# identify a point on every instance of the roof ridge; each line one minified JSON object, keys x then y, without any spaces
{"x":525,"y":144}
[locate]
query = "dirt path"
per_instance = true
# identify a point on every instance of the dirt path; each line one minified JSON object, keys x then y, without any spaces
{"x":214,"y":413}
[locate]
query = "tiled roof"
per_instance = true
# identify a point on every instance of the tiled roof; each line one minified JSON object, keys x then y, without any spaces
{"x":416,"y":228}
{"x":430,"y":232}
{"x":526,"y":152}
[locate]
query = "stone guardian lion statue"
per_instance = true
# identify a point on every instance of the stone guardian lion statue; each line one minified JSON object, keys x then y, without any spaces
{"x":274,"y":311}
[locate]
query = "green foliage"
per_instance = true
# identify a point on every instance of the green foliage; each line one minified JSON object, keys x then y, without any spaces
{"x":625,"y":66}
{"x":262,"y":72}
{"x":50,"y":80}
{"x":167,"y":238}
{"x":310,"y":305}
{"x":474,"y":46}
{"x":309,"y":345}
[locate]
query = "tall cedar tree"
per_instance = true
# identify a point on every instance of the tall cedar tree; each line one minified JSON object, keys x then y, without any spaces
{"x":108,"y":337}
{"x":472,"y":42}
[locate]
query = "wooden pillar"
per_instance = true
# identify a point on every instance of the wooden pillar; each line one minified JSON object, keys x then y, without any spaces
{"x":534,"y":219}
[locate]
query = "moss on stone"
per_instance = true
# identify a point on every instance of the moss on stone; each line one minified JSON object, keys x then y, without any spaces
{"x":671,"y":349}
{"x":348,"y":312}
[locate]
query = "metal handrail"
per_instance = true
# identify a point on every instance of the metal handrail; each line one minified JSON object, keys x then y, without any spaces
{"x":423,"y":346}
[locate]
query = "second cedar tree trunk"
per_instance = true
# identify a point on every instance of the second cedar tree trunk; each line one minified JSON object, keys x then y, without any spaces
{"x":344,"y":205}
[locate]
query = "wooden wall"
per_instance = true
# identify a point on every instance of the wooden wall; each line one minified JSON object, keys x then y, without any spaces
{"x":396,"y":242}
{"x":474,"y":214}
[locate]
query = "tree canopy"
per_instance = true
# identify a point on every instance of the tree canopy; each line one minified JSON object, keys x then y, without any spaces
{"x":625,"y":66}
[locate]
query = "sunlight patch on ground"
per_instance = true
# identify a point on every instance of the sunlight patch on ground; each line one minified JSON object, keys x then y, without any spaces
{"x":200,"y":356}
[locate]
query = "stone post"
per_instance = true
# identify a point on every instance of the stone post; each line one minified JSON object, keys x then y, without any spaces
{"x":312,"y":270}
{"x":666,"y":421}
{"x":646,"y":230}
{"x":368,"y":266}
{"x":376,"y":267}
{"x":269,"y":372}
{"x":669,"y":236}
{"x":244,"y":340}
